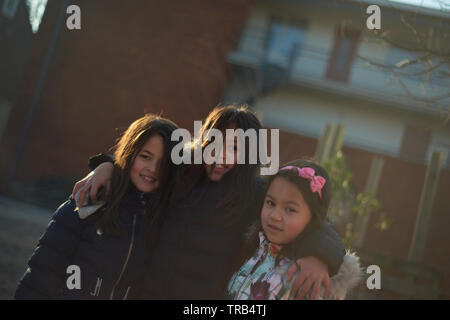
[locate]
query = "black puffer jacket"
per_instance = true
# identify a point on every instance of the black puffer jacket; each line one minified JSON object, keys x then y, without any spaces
{"x":194,"y":253}
{"x":111,"y":267}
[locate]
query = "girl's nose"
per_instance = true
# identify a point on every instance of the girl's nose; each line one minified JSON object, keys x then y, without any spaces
{"x":221,"y":154}
{"x":276,"y":215}
{"x":153,"y":167}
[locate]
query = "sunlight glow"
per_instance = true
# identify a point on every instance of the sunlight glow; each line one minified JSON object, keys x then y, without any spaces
{"x":36,"y":9}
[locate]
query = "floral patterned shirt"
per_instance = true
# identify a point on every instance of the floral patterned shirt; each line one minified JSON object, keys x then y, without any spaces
{"x":258,"y":278}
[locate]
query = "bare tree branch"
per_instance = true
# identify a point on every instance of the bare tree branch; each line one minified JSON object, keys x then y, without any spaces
{"x":406,"y":64}
{"x":423,"y":99}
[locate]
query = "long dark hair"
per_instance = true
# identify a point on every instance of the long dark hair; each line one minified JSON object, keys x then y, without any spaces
{"x":126,"y":150}
{"x":318,"y":206}
{"x":240,"y":184}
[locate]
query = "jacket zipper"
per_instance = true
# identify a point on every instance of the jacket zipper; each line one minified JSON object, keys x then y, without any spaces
{"x":126,"y":293}
{"x":98,"y":285}
{"x":126,"y":260}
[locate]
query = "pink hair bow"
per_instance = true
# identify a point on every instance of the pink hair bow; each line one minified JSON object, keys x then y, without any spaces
{"x":316,"y":182}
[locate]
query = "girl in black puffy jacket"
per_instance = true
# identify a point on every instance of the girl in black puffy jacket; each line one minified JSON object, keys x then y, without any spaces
{"x":104,"y":254}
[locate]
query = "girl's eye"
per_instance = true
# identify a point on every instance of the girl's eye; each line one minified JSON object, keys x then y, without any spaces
{"x":144,"y":156}
{"x":270,"y":203}
{"x":290,"y":210}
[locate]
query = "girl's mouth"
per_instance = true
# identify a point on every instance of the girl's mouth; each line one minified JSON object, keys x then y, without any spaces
{"x":148,"y":179}
{"x":219,"y":168}
{"x":274,"y":228}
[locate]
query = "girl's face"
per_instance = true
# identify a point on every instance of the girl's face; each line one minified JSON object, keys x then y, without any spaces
{"x":215,"y":172}
{"x":285,"y":213}
{"x":145,"y":169}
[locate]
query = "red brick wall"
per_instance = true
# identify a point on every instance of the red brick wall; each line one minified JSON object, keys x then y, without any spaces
{"x":130,"y":57}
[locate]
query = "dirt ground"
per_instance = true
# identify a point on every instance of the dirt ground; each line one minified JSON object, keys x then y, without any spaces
{"x":21,"y":226}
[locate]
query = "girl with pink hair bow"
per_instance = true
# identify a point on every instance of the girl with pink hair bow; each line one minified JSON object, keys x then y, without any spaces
{"x":296,"y":201}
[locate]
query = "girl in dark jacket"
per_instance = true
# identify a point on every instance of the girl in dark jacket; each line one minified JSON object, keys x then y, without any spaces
{"x":104,"y":254}
{"x":210,"y":209}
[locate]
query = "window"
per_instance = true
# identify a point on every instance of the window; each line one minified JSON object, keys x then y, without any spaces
{"x":9,"y":8}
{"x":284,"y":41}
{"x":342,"y":54}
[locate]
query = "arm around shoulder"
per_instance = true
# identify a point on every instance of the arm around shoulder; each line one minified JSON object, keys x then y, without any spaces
{"x":325,"y":243}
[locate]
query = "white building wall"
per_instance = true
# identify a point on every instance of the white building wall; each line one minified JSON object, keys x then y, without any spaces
{"x":372,"y":126}
{"x":307,"y":114}
{"x":314,"y":54}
